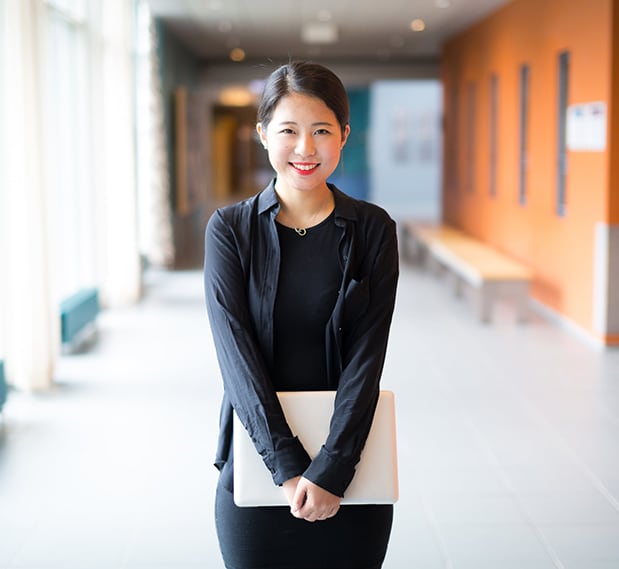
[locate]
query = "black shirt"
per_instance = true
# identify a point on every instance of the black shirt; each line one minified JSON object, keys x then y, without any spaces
{"x":309,"y":279}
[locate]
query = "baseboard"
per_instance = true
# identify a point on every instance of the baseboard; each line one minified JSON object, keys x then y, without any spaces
{"x":568,"y":325}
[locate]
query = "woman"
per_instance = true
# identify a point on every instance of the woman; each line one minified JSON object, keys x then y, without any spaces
{"x":300,"y":285}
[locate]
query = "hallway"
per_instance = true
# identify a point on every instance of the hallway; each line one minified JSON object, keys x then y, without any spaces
{"x":508,"y":438}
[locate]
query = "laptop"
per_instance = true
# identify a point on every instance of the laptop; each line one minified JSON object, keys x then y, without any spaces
{"x":309,"y":413}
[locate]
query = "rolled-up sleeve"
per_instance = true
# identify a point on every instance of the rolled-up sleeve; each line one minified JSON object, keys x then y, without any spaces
{"x":243,"y":369}
{"x":368,"y":310}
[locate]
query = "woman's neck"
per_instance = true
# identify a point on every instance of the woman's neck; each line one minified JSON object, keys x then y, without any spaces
{"x":301,"y":209}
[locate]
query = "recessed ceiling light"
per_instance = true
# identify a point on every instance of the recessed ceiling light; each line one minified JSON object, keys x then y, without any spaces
{"x":237,"y":54}
{"x":443,"y":3}
{"x":319,"y":33}
{"x":418,"y":25}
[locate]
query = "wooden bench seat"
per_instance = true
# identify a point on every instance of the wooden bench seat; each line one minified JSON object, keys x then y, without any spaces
{"x":487,"y":270}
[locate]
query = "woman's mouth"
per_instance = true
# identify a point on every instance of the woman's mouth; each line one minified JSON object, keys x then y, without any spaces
{"x":304,"y":168}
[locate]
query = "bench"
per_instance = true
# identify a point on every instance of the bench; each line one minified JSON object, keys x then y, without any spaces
{"x":78,"y":313}
{"x":491,"y":273}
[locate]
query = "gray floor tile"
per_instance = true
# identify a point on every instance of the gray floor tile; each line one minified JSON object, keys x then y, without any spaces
{"x":414,"y":546}
{"x":75,"y":543}
{"x":475,"y":509}
{"x":580,"y":545}
{"x":473,"y":545}
{"x":457,"y":479}
{"x":531,"y":479}
{"x":568,"y":507}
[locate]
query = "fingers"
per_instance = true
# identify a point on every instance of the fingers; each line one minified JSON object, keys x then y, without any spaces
{"x":312,"y":503}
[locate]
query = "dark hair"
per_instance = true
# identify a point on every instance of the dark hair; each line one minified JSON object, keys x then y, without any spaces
{"x":307,"y":78}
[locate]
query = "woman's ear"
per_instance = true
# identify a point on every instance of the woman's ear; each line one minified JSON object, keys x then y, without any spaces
{"x":262,"y":134}
{"x":345,"y":136}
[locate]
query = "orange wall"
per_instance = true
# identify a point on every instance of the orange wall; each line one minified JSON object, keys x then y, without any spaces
{"x":613,"y":195}
{"x":559,"y":249}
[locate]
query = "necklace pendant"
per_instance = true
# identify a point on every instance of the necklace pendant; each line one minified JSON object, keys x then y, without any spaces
{"x":300,"y":231}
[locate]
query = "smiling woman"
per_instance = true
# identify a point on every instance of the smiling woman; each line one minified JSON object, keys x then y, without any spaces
{"x":300,"y":284}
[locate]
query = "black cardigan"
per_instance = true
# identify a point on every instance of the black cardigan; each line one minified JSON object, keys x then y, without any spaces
{"x":240,"y":277}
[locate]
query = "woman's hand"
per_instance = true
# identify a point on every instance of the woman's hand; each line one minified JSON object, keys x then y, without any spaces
{"x":290,"y":487}
{"x":309,"y":501}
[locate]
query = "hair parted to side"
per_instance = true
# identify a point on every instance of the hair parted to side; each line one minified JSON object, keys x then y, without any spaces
{"x":306,"y":78}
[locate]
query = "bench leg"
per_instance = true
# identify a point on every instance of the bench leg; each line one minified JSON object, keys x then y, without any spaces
{"x":486,"y":297}
{"x":458,"y":286}
{"x":521,"y":299}
{"x":413,"y":250}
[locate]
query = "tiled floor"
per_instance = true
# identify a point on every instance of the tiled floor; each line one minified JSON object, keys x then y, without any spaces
{"x":508,"y":442}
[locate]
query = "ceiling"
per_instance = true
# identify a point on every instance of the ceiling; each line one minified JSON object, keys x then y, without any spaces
{"x":357,"y":30}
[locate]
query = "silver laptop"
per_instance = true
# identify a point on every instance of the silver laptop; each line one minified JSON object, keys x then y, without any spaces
{"x":309,"y":413}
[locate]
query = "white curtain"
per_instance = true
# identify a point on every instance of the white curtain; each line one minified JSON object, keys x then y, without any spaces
{"x":68,"y":215}
{"x":28,"y":314}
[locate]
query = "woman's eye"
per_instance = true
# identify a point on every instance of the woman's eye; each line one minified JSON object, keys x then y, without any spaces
{"x":323,"y":131}
{"x":286,"y":131}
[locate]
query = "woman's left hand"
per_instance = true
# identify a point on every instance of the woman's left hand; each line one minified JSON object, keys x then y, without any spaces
{"x":313,"y":503}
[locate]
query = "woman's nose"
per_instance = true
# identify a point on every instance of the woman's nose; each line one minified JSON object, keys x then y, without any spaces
{"x":305,"y":145}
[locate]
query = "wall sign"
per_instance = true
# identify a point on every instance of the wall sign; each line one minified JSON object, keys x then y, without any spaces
{"x":586,"y":127}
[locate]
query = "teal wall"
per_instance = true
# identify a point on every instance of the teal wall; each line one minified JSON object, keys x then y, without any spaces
{"x":352,"y":175}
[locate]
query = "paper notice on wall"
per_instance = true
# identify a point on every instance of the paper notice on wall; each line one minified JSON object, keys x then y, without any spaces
{"x":586,"y":127}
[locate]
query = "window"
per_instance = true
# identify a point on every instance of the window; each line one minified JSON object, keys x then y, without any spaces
{"x":564,"y":62}
{"x":71,"y":210}
{"x":524,"y":128}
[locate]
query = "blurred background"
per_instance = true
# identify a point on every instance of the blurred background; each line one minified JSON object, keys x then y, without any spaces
{"x":125,"y":123}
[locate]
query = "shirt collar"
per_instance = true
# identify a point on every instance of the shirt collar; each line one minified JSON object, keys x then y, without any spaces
{"x":268,"y":198}
{"x":344,"y":204}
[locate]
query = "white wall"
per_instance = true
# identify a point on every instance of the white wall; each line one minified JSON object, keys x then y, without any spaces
{"x":405,"y":147}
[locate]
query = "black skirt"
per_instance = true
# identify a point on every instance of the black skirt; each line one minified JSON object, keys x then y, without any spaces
{"x":272,"y":538}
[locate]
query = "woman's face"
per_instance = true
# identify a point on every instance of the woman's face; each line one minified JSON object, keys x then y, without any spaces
{"x":304,"y":141}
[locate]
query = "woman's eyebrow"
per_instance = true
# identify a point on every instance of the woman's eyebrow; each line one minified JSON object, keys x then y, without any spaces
{"x":294,"y":123}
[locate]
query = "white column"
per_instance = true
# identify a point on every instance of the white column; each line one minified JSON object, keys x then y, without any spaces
{"x":120,"y":275}
{"x":606,"y":280}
